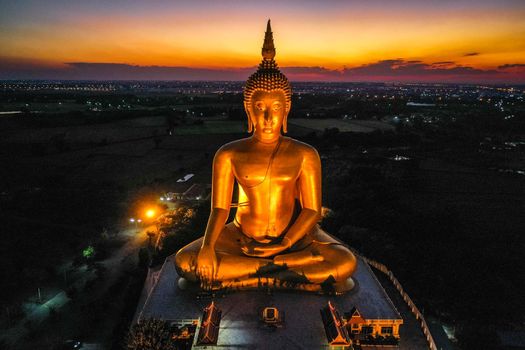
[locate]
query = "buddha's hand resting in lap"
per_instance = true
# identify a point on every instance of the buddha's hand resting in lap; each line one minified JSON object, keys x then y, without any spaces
{"x":262,"y":250}
{"x":206,"y":266}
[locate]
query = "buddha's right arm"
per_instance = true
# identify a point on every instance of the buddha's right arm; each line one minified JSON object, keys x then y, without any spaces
{"x":215,"y":225}
{"x":221,"y":196}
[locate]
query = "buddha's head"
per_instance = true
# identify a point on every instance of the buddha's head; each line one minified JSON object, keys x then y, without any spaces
{"x":267,"y":95}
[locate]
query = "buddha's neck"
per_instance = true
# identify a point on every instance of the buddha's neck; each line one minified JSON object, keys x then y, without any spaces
{"x":270,"y":141}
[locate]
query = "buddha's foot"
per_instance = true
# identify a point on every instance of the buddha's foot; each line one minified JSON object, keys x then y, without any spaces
{"x":183,"y":283}
{"x":344,"y":286}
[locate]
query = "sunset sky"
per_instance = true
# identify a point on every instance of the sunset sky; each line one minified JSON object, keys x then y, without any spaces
{"x":390,"y":40}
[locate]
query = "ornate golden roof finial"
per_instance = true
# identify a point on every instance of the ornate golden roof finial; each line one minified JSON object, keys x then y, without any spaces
{"x":268,"y":49}
{"x":268,"y":77}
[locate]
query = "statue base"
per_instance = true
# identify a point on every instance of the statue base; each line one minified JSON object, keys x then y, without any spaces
{"x":167,"y":296}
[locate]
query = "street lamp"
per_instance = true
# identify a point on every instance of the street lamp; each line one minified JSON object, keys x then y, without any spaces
{"x":150,"y":213}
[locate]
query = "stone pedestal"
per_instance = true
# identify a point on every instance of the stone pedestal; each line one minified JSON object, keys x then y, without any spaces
{"x":242,"y":326}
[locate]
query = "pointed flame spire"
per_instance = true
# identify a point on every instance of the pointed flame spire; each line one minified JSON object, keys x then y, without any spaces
{"x":268,"y":50}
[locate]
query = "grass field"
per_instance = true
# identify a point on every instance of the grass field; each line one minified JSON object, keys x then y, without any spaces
{"x":212,"y":127}
{"x":364,"y":126}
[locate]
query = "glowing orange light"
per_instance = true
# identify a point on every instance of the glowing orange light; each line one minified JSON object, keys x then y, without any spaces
{"x":150,"y":213}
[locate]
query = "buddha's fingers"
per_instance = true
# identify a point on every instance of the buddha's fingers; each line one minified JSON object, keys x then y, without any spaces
{"x":203,"y":276}
{"x":208,"y":277}
{"x":209,"y":273}
{"x":296,"y":259}
{"x":200,"y":276}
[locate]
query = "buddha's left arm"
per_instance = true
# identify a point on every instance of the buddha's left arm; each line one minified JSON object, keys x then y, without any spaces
{"x":309,"y":184}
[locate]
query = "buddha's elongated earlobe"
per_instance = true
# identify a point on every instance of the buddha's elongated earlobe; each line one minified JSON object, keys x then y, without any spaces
{"x":285,"y":119}
{"x":250,"y":123}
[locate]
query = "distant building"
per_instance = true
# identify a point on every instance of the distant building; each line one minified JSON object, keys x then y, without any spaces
{"x":196,"y":192}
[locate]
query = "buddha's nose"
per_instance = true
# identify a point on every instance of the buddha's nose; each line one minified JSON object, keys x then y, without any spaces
{"x":267,"y":116}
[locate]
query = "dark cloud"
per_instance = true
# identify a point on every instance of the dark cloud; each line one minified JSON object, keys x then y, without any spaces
{"x":399,"y":68}
{"x":513,"y":65}
{"x":116,"y":71}
{"x":396,"y":69}
{"x":311,"y":73}
{"x":306,"y":70}
{"x":417,"y":71}
{"x":441,"y":63}
{"x":471,"y":54}
{"x":113,"y":71}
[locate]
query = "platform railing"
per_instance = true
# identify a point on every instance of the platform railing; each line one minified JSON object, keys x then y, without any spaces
{"x":413,"y":308}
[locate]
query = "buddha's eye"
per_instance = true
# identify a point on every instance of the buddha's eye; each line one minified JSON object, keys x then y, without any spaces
{"x":276,"y":106}
{"x":260,"y":105}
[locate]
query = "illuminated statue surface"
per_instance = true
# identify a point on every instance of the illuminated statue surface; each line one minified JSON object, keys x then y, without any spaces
{"x":274,"y":239}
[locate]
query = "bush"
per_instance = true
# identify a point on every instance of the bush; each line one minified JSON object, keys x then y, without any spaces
{"x":150,"y":334}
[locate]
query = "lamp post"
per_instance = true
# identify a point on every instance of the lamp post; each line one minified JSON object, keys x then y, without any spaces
{"x":150,"y":213}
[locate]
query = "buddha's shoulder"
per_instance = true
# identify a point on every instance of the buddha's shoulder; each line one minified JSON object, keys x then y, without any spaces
{"x":292,"y":145}
{"x":232,"y":147}
{"x":299,"y":147}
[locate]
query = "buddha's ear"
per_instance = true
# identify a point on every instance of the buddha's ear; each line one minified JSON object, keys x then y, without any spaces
{"x":250,"y":122}
{"x":285,"y":119}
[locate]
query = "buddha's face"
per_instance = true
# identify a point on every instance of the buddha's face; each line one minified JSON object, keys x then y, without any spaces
{"x":267,"y":111}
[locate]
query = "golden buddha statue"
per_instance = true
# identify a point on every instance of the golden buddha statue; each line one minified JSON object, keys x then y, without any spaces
{"x":275,"y":240}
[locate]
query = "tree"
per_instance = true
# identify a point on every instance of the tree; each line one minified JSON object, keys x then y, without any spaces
{"x":150,"y":334}
{"x":144,"y":258}
{"x":150,"y":235}
{"x":89,"y":252}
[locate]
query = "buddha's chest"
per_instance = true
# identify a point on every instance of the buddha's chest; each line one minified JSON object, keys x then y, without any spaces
{"x":256,"y":169}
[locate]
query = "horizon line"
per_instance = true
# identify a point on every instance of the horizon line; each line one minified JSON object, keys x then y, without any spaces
{"x":58,"y":80}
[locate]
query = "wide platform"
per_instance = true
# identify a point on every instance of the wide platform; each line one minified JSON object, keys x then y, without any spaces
{"x":241,"y":326}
